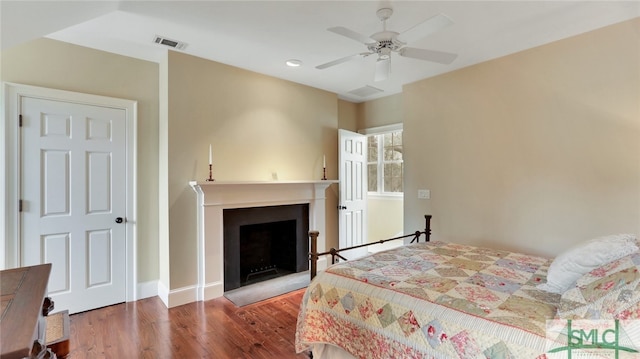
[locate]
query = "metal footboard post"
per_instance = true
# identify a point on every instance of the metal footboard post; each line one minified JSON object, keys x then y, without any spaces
{"x":427,"y":227}
{"x":313,"y":254}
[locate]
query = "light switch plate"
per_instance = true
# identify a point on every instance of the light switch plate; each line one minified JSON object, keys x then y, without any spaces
{"x":424,"y":194}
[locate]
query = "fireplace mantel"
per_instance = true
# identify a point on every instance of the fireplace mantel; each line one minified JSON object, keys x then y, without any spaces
{"x":215,"y":196}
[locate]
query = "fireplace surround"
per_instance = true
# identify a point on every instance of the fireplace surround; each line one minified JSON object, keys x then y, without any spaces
{"x":216,"y":196}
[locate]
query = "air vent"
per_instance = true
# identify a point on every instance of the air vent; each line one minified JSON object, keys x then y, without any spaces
{"x":366,"y":91}
{"x":168,"y":42}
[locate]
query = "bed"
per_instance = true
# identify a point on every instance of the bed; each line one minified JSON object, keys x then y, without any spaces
{"x":445,"y":300}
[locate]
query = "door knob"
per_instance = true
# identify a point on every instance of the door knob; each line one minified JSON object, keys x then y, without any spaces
{"x":119,"y":220}
{"x":342,"y":207}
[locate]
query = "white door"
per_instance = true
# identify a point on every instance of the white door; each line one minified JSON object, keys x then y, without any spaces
{"x":352,"y":205}
{"x":73,"y":184}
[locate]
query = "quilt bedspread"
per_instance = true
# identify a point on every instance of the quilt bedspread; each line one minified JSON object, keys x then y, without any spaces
{"x":430,"y":300}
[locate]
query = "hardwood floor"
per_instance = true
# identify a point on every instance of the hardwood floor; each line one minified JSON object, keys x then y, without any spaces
{"x":211,"y":329}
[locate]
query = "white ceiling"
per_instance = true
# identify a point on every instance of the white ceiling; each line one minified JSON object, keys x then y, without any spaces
{"x":261,"y":35}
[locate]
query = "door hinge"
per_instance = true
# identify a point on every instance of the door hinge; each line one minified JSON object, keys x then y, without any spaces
{"x":20,"y":205}
{"x":20,"y":120}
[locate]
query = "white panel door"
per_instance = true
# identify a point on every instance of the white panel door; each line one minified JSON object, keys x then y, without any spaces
{"x":74,"y":200}
{"x":353,"y":192}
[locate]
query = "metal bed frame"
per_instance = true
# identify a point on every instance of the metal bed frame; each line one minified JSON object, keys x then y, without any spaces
{"x":314,"y":255}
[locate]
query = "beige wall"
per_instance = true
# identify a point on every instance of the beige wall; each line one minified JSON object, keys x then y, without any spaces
{"x":384,"y":218}
{"x":348,"y":115}
{"x":534,"y":151}
{"x":380,"y":112}
{"x":58,"y":65}
{"x":164,"y":254}
{"x":256,"y":124}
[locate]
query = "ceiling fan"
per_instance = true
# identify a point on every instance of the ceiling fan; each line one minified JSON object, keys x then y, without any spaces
{"x":385,"y":42}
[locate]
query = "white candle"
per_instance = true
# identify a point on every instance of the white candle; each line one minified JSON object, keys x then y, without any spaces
{"x":210,"y":155}
{"x":324,"y":161}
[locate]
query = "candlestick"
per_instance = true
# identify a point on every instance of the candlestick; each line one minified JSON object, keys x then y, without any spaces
{"x":324,"y":167}
{"x":210,"y":173}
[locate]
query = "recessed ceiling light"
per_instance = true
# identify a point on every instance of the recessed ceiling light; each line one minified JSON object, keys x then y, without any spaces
{"x":294,"y":63}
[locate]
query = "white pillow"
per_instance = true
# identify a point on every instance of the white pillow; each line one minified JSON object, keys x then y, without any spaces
{"x":566,"y":268}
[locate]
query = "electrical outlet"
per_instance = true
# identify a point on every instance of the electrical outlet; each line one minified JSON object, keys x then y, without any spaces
{"x":424,"y":194}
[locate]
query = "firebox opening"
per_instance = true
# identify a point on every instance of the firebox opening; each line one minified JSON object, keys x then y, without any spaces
{"x":268,"y":251}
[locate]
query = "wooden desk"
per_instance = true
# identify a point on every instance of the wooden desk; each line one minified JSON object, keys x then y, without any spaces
{"x":22,"y":324}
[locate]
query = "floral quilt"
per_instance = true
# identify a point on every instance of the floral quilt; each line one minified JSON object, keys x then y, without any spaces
{"x":430,"y":300}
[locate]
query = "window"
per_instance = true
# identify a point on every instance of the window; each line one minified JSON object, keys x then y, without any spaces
{"x":385,"y":162}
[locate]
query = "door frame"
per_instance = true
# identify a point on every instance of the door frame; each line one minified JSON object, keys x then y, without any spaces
{"x":10,"y":173}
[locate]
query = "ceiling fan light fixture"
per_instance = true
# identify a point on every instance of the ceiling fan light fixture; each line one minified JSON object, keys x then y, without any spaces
{"x":293,"y":63}
{"x":384,"y":54}
{"x":383,"y":69}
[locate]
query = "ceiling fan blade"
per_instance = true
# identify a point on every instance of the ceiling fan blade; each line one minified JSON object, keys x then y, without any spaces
{"x":425,"y":28}
{"x":352,"y":35}
{"x":440,"y":57}
{"x":383,"y":68}
{"x":341,"y":60}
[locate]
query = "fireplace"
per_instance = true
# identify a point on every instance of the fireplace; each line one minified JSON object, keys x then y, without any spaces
{"x":214,"y":198}
{"x":263,"y":243}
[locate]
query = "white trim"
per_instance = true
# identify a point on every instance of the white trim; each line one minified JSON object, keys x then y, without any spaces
{"x":9,"y":182}
{"x":381,"y":129}
{"x":386,"y":195}
{"x":182,"y":296}
{"x":10,"y":174}
{"x":163,"y":293}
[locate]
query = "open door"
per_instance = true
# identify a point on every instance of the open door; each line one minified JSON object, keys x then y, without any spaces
{"x":352,"y":205}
